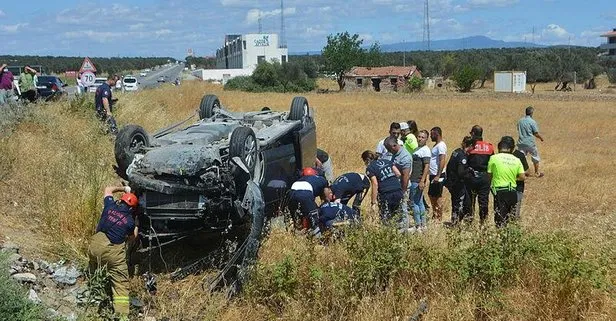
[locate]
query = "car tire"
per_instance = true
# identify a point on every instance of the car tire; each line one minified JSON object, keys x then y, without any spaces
{"x":299,"y":108}
{"x":128,"y":141}
{"x":209,"y":105}
{"x":244,"y":145}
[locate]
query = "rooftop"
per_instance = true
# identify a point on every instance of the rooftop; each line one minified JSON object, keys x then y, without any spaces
{"x":399,"y":71}
{"x":610,"y":34}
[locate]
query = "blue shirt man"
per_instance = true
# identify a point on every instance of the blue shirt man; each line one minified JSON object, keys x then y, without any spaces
{"x":103,"y":91}
{"x":382,"y":170}
{"x":116,"y":221}
{"x":332,"y":212}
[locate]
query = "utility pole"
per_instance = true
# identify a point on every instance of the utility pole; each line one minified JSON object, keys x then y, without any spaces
{"x":533,"y":34}
{"x":260,"y":25}
{"x":426,"y":25}
{"x":282,"y":33}
{"x":404,"y":53}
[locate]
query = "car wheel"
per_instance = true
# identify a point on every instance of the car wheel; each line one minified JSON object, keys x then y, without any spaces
{"x":130,"y":139}
{"x":208,"y":107}
{"x":299,"y":108}
{"x":245,"y":146}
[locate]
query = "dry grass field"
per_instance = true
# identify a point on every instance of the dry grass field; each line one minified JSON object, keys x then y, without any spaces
{"x":55,"y":163}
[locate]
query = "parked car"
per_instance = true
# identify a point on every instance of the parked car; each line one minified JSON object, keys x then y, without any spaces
{"x":97,"y":82}
{"x":219,"y":177}
{"x":49,"y":87}
{"x":161,"y":79}
{"x":143,"y":74}
{"x":130,"y":83}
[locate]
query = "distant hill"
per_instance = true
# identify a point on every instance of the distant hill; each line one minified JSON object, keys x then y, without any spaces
{"x":475,"y":42}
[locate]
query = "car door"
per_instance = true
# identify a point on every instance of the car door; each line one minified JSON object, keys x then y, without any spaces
{"x":279,"y":170}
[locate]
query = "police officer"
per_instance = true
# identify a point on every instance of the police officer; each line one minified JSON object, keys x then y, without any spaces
{"x":107,"y":246}
{"x":331,"y":213}
{"x":505,"y":170}
{"x":348,"y":185}
{"x":478,"y":186}
{"x":302,"y":195}
{"x":386,"y":189}
{"x":103,"y":100}
{"x":458,"y":173}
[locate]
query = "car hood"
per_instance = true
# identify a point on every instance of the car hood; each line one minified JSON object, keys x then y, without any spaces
{"x":177,"y":159}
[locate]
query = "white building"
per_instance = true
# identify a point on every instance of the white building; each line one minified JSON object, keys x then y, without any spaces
{"x":246,"y":51}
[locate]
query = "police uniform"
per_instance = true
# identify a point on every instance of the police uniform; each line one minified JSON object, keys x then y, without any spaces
{"x":107,"y":248}
{"x":478,"y":186}
{"x":302,"y":195}
{"x":458,"y":173}
{"x":332,"y":212}
{"x":389,"y":190}
{"x":104,"y":91}
{"x":505,"y":169}
{"x":348,"y":185}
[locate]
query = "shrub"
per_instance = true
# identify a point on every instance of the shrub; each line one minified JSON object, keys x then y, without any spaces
{"x":415,"y":84}
{"x":611,"y":75}
{"x":465,"y":78}
{"x":14,"y":304}
{"x":275,"y":77}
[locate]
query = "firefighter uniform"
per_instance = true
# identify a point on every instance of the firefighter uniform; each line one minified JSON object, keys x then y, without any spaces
{"x":108,"y":249}
{"x":478,"y":186}
{"x":458,"y":173}
{"x":348,"y":185}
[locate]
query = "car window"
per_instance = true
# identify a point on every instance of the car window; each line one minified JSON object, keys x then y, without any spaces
{"x":130,"y":80}
{"x":42,"y":79}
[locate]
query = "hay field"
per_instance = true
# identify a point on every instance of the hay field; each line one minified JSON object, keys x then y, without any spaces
{"x":56,"y":162}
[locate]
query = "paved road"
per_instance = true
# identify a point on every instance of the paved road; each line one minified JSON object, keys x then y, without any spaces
{"x":169,"y":74}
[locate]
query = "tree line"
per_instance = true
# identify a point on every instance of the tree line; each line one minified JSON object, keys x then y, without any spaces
{"x":550,"y":64}
{"x":58,"y":65}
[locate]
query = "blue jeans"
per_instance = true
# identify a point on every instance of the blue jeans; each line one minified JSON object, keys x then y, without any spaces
{"x":419,"y":209}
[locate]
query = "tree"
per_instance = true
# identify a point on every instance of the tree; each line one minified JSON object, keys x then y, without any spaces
{"x":465,"y":77}
{"x":611,"y":75}
{"x":342,"y":52}
{"x":373,"y":57}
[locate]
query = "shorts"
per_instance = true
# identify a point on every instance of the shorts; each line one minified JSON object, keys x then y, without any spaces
{"x":532,"y":150}
{"x":435,"y":189}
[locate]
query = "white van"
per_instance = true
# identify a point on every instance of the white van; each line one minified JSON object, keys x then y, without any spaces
{"x":130,"y":83}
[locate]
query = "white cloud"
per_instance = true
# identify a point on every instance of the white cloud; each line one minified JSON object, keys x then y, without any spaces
{"x":2,"y":14}
{"x":13,"y":28}
{"x":163,"y":32}
{"x":555,"y":31}
{"x":253,"y":15}
{"x":137,"y":26}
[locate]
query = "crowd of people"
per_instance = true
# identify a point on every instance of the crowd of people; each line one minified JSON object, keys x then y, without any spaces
{"x":25,"y":88}
{"x":403,"y":167}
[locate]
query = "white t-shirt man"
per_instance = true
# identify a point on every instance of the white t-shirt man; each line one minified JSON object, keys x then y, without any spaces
{"x":435,"y":161}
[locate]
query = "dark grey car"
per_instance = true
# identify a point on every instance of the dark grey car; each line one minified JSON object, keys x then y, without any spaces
{"x":223,"y":174}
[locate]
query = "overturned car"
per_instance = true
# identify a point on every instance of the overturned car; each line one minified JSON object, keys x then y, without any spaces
{"x":221,"y":175}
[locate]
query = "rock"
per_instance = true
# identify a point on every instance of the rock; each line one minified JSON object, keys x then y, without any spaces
{"x":24,"y":277}
{"x":32,"y":296}
{"x":33,"y":265}
{"x":45,"y":266}
{"x":71,"y":317}
{"x":15,"y":258}
{"x":66,"y":275}
{"x":10,"y":247}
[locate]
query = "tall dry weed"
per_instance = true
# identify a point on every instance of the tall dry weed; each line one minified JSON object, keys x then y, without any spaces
{"x":56,"y":163}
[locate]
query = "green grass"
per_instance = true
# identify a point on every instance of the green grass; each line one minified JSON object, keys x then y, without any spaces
{"x":14,"y":303}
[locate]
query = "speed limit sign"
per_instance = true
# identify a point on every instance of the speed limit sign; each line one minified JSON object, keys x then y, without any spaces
{"x":88,"y":78}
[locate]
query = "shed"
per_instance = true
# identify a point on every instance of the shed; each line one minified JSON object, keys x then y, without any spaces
{"x":390,"y":78}
{"x":510,"y":81}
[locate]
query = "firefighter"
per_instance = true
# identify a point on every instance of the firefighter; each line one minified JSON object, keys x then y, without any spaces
{"x":108,"y":245}
{"x":303,"y":194}
{"x":478,"y":186}
{"x":386,"y":188}
{"x":458,"y":173}
{"x":348,"y":185}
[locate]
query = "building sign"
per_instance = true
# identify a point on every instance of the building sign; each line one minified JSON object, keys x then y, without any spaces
{"x":263,"y":42}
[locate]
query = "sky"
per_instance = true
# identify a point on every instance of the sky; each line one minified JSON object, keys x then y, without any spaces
{"x":169,"y":27}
